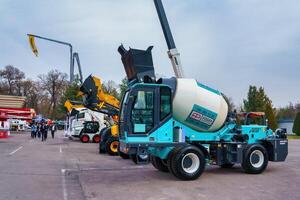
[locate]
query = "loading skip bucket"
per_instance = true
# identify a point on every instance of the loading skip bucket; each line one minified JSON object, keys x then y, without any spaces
{"x":4,"y":134}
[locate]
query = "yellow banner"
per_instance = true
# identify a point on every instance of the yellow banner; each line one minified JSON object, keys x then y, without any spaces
{"x":32,"y":45}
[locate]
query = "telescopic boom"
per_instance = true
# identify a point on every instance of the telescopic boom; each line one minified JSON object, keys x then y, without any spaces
{"x":173,"y":52}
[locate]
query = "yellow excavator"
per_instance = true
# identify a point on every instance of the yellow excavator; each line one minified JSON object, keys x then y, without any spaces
{"x":97,"y":100}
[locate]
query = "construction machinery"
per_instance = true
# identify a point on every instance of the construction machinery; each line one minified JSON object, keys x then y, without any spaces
{"x":84,"y":123}
{"x":183,"y":124}
{"x":97,"y":100}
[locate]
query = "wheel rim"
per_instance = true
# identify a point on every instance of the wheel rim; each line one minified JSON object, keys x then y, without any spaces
{"x":97,"y":138}
{"x":190,"y":163}
{"x":114,"y":146}
{"x":85,"y":138}
{"x":257,"y":158}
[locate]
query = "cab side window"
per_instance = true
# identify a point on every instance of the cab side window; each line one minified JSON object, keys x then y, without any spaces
{"x":165,"y":102}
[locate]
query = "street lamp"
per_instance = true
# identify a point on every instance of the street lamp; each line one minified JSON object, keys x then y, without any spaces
{"x":72,"y":55}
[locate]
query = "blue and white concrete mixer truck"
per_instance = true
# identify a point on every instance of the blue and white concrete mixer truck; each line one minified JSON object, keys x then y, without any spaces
{"x":184,"y":125}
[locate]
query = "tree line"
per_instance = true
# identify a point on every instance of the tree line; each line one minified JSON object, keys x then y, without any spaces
{"x":48,"y":93}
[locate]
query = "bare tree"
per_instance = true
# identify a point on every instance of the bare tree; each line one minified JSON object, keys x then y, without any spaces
{"x":111,"y":88}
{"x":54,"y":84}
{"x":13,"y":77}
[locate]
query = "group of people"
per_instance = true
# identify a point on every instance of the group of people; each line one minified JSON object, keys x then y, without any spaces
{"x":40,"y":130}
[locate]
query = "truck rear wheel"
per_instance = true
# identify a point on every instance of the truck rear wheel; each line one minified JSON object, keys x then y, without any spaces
{"x":187,"y":163}
{"x":112,"y":145}
{"x":255,"y":159}
{"x":84,"y":138}
{"x":159,"y":163}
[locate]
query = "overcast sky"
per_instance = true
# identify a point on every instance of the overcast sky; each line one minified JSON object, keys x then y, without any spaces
{"x":227,"y":45}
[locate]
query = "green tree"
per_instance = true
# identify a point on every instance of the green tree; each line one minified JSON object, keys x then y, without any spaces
{"x":296,"y":126}
{"x":255,"y":100}
{"x":270,"y":115}
{"x":258,"y":101}
{"x":71,"y":93}
{"x":123,"y":87}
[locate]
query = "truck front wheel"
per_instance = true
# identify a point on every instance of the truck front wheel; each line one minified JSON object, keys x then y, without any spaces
{"x":187,"y":163}
{"x":255,"y":159}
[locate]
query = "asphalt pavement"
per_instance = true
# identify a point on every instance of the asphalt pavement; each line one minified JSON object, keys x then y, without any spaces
{"x":62,"y":169}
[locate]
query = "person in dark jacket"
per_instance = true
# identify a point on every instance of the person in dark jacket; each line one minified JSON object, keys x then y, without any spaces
{"x":33,"y":130}
{"x":39,"y":130}
{"x":44,"y":131}
{"x":53,"y":129}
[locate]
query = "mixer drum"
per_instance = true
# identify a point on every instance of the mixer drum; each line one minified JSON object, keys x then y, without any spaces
{"x":198,"y":106}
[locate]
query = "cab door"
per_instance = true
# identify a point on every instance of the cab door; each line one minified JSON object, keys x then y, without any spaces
{"x":143,"y":112}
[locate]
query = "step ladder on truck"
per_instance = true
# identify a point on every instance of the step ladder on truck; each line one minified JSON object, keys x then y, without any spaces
{"x":183,"y":124}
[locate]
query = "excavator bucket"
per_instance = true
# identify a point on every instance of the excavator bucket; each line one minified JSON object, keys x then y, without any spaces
{"x":90,"y":89}
{"x":138,"y":64}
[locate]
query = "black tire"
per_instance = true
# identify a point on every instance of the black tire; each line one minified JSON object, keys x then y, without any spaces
{"x":170,"y":157}
{"x":104,"y":135}
{"x":159,"y":163}
{"x":102,"y":148}
{"x":122,"y":155}
{"x":227,"y":165}
{"x":112,"y":146}
{"x":188,"y":163}
{"x":255,"y":159}
{"x":84,"y":138}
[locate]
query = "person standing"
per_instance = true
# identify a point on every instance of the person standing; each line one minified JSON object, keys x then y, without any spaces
{"x":33,"y":130}
{"x":43,"y":131}
{"x":39,"y":130}
{"x":53,"y":130}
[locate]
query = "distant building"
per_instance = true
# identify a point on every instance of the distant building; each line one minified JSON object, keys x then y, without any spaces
{"x":12,"y":107}
{"x":288,"y":124}
{"x":9,"y":101}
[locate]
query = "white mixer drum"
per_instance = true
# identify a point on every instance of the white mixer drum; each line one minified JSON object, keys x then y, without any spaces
{"x":198,"y":106}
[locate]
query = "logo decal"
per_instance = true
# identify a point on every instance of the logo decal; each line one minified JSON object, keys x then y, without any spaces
{"x":201,"y":117}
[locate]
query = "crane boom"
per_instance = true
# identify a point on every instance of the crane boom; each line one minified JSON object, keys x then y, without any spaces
{"x":173,"y":52}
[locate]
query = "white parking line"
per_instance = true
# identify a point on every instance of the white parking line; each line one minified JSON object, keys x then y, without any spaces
{"x":60,"y":149}
{"x":11,"y":153}
{"x":65,"y":193}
